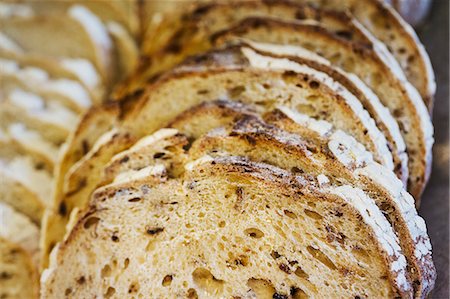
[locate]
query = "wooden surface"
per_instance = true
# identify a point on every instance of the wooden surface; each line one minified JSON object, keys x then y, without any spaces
{"x":435,"y":203}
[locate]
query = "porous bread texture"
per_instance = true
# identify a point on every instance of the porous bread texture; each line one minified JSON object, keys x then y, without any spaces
{"x":189,"y":33}
{"x":275,"y":223}
{"x":165,"y":147}
{"x":80,"y":34}
{"x":19,"y":230}
{"x":78,"y":183}
{"x":265,"y":82}
{"x":401,"y":40}
{"x":93,"y":124}
{"x":19,"y":277}
{"x":51,"y":119}
{"x":262,"y":86}
{"x":402,"y":100}
{"x":380,"y":114}
{"x":67,"y":92}
{"x":318,"y":150}
{"x":387,"y":30}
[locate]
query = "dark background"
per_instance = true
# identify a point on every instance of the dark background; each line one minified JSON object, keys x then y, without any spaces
{"x":434,"y":33}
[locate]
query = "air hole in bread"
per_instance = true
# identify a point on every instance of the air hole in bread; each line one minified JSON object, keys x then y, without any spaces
{"x":262,"y":288}
{"x":290,"y":214}
{"x":275,"y":254}
{"x":297,"y":293}
{"x":90,"y":222}
{"x":313,"y":215}
{"x":126,"y":262}
{"x":314,"y":84}
{"x":254,"y":233}
{"x":68,"y":291}
{"x":110,"y":292}
{"x":206,"y":281}
{"x":106,"y":271}
{"x":133,"y":288}
{"x":322,"y":257}
{"x":167,"y":280}
{"x":192,"y":294}
{"x":235,"y":92}
{"x":300,"y":273}
{"x":135,"y":199}
{"x":222,"y":224}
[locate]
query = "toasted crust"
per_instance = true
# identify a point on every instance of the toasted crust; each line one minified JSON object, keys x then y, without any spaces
{"x":260,"y":142}
{"x":387,"y":26}
{"x":219,"y":171}
{"x":398,"y":96}
{"x":381,"y":115}
{"x":187,"y":34}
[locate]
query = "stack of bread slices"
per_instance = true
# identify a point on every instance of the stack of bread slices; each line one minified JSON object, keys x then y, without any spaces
{"x":57,"y":59}
{"x":261,"y":149}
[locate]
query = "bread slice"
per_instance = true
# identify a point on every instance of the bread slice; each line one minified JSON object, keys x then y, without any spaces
{"x":234,"y":228}
{"x":122,"y":12}
{"x":78,"y":69}
{"x":78,"y":183}
{"x":317,"y":150}
{"x":126,"y":50}
{"x":189,"y":33}
{"x":19,"y":277}
{"x":30,"y":142}
{"x":242,"y":74}
{"x":381,"y":115}
{"x":283,"y":86}
{"x":68,"y":92}
{"x":401,"y":40}
{"x":399,"y":97}
{"x":76,"y":34}
{"x":164,"y":147}
{"x":19,"y":229}
{"x":24,"y":186}
{"x":54,"y":121}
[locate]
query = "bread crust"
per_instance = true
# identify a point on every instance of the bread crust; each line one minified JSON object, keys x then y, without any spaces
{"x":248,"y":135}
{"x":268,"y":177}
{"x":402,"y":100}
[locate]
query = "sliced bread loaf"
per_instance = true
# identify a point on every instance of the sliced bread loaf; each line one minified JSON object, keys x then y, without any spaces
{"x":316,"y":149}
{"x":67,"y":92}
{"x":77,"y":34}
{"x":258,"y":210}
{"x":381,"y":115}
{"x":78,"y":69}
{"x":54,"y":121}
{"x":400,"y":38}
{"x":398,"y":96}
